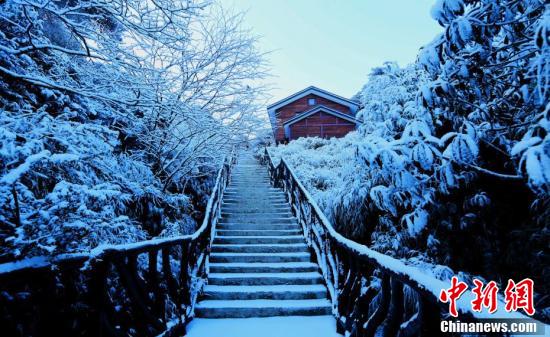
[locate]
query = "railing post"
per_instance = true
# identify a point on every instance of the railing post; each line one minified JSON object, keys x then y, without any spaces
{"x":186,"y":250}
{"x":380,"y":313}
{"x":154,"y":287}
{"x":395,"y":314}
{"x":429,"y":313}
{"x":98,"y":292}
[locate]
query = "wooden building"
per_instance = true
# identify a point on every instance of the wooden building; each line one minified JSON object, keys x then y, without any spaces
{"x":312,"y":112}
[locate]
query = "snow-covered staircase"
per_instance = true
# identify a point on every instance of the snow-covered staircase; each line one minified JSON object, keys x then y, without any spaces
{"x":260,"y":265}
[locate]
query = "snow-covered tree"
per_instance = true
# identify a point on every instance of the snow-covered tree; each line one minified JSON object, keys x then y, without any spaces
{"x":491,"y":75}
{"x":113,"y":115}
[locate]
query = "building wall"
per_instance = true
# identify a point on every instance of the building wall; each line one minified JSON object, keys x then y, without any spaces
{"x":321,"y":124}
{"x":300,"y":105}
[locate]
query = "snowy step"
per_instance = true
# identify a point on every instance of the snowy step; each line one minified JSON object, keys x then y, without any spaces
{"x":255,"y":200}
{"x":260,"y":248}
{"x":247,"y":210}
{"x":255,"y":177}
{"x":241,"y":182}
{"x":260,"y":265}
{"x":243,"y":178}
{"x":247,"y":192}
{"x":257,"y":219}
{"x":287,"y":326}
{"x":259,"y":239}
{"x":253,"y":190}
{"x":264,"y":278}
{"x":262,"y":308}
{"x":259,"y":198}
{"x":253,"y":204}
{"x":227,"y":208}
{"x":245,"y":169}
{"x":256,"y":215}
{"x":258,"y":222}
{"x":272,"y":196}
{"x":277,"y":292}
{"x":259,"y":257}
{"x":264,"y":183}
{"x":277,"y":267}
{"x":258,"y":226}
{"x":258,"y":232}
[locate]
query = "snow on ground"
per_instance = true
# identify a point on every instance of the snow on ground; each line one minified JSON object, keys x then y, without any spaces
{"x":291,"y":326}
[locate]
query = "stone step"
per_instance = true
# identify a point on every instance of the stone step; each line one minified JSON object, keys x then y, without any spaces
{"x":252,"y":191}
{"x":256,"y":183}
{"x":277,"y":292}
{"x":257,"y":267}
{"x":262,"y":308}
{"x":255,"y":232}
{"x":260,"y":248}
{"x":258,"y":226}
{"x":255,"y":200}
{"x":260,"y":265}
{"x":256,"y":214}
{"x":258,"y":239}
{"x":228,"y":208}
{"x":253,"y":188}
{"x":264,"y":278}
{"x":260,"y":207}
{"x":264,"y":179}
{"x":257,"y":196}
{"x":255,"y":176}
{"x":265,"y":197}
{"x":253,"y":204}
{"x":259,"y":257}
{"x":258,"y":218}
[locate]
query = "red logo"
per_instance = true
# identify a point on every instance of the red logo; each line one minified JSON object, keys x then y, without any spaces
{"x":516,"y":296}
{"x":485,"y":296}
{"x":452,"y":294}
{"x":519,"y":296}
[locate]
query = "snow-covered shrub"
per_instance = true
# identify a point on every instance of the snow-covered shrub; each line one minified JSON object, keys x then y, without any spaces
{"x":419,"y":183}
{"x":489,"y":93}
{"x":377,"y":175}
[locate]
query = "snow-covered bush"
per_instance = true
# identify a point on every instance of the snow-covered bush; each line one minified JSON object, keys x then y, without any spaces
{"x":417,"y":183}
{"x":374,"y":179}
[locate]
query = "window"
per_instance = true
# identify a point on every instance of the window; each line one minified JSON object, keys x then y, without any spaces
{"x":311,"y":101}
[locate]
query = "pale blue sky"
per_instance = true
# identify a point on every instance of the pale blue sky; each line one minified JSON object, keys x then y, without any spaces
{"x":333,"y":44}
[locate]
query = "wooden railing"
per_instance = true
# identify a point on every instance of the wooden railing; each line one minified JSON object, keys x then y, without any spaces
{"x":142,"y":289}
{"x":369,"y":290}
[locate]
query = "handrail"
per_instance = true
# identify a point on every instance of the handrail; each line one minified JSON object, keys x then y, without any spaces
{"x":75,"y":294}
{"x":368,"y":288}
